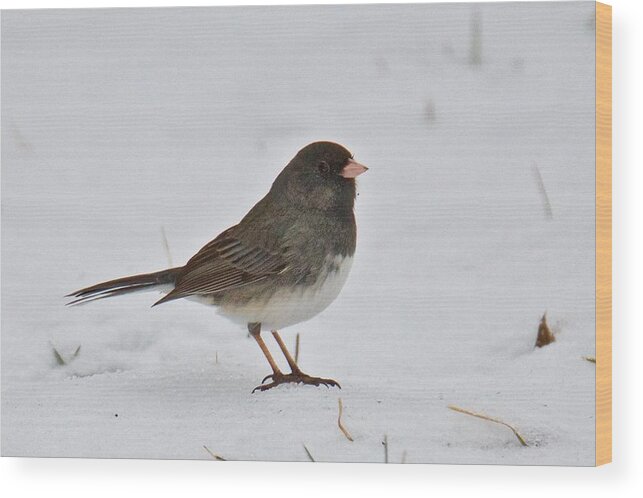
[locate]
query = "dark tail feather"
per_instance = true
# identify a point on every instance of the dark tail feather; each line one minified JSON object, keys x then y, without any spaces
{"x":124,"y":285}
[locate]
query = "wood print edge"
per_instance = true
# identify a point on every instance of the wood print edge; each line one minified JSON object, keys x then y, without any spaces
{"x":603,"y":233}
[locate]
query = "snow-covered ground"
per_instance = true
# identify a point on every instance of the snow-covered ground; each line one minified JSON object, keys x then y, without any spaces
{"x":118,"y":124}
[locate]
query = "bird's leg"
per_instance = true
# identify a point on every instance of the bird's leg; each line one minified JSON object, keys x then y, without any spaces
{"x":295,"y":375}
{"x":255,"y":332}
{"x":291,"y":361}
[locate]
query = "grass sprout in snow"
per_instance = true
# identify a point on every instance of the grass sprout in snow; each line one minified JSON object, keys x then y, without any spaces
{"x":545,"y":335}
{"x":60,"y":360}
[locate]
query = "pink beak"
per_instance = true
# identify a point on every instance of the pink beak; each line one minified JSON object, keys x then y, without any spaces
{"x":352,"y":169}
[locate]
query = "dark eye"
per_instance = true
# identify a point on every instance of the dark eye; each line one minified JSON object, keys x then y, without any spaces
{"x":323,"y":167}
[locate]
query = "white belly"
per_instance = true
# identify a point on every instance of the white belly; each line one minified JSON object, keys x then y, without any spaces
{"x":288,"y":307}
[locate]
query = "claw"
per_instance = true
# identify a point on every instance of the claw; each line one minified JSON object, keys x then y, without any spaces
{"x":296,"y":377}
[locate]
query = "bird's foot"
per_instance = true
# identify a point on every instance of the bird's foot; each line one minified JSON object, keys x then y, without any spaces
{"x":294,"y":378}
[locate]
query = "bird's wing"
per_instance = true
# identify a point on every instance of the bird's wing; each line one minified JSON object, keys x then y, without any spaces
{"x":225,"y":263}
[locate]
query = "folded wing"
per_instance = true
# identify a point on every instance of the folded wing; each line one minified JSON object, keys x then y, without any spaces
{"x":225,"y":263}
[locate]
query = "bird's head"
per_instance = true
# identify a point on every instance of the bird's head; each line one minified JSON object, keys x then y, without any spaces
{"x":321,"y":176}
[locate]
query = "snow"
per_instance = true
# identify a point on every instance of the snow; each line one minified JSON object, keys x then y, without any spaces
{"x":118,"y":123}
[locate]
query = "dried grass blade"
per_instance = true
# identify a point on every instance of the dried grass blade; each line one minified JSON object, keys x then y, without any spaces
{"x":490,"y":419}
{"x":339,"y":421}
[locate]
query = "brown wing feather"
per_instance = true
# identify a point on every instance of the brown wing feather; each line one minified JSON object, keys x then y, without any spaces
{"x":225,"y":263}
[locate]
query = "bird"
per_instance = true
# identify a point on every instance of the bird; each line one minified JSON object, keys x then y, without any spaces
{"x":282,"y":264}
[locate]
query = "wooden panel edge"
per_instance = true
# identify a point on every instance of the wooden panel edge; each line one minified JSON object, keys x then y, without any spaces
{"x":603,"y":233}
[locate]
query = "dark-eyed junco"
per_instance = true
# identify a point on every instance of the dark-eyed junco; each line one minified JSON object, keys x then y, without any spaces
{"x":284,"y":263}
